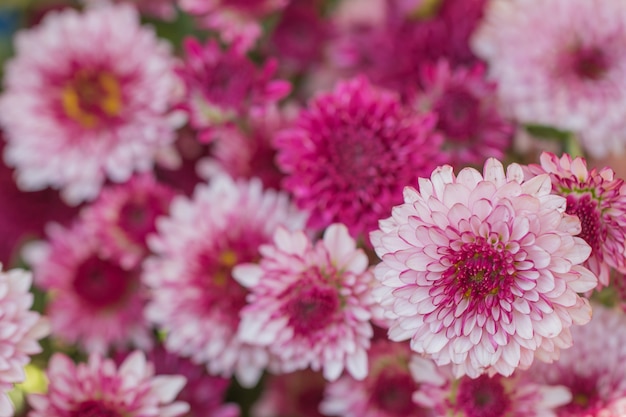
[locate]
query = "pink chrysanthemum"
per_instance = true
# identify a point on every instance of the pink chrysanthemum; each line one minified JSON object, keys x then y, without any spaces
{"x":99,"y":388}
{"x":482,"y":271}
{"x":351,"y":153}
{"x":309,"y":303}
{"x":20,"y":329}
{"x":467,"y":113}
{"x":223,"y":85}
{"x":599,"y":201}
{"x":560,"y":63}
{"x":288,"y":395}
{"x":594,"y":369}
{"x":94,"y":301}
{"x":235,"y":20}
{"x":395,"y":377}
{"x":124,"y":215}
{"x":100,"y":112}
{"x":195,"y":299}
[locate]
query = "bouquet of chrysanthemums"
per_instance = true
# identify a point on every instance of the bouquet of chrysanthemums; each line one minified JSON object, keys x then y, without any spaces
{"x":307,"y":208}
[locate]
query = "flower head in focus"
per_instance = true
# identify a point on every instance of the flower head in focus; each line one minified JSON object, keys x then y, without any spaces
{"x":482,"y":271}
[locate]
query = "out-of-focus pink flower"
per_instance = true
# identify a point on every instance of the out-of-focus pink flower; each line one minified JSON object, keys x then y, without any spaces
{"x":599,"y":201}
{"x":20,"y":330}
{"x":594,"y":369}
{"x":99,"y":388}
{"x":395,"y":376}
{"x":94,"y":302}
{"x":100,"y":112}
{"x":223,"y":85}
{"x":560,"y":63}
{"x":194,"y":298}
{"x":482,"y":271}
{"x":467,"y":111}
{"x":288,"y":395}
{"x":309,"y":304}
{"x":124,"y":215}
{"x":352,"y":151}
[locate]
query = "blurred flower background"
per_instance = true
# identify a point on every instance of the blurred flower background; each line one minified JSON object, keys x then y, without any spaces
{"x":306,"y":208}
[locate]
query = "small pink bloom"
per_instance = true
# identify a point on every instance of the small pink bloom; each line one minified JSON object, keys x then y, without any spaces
{"x":309,"y":303}
{"x":352,"y":151}
{"x":195,"y":300}
{"x":599,"y":201}
{"x":482,"y":271}
{"x":101,"y":112}
{"x":99,"y":388}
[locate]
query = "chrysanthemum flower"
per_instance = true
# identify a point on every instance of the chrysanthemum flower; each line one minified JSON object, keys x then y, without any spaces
{"x":395,"y":376}
{"x":223,"y":85}
{"x":76,"y":115}
{"x":467,"y":113}
{"x":20,"y":329}
{"x":599,"y":201}
{"x":594,"y":369}
{"x":194,"y":298}
{"x":309,"y":303}
{"x":482,"y":271}
{"x":99,"y":388}
{"x":560,"y":63}
{"x":94,"y":302}
{"x":124,"y":215}
{"x":352,"y":151}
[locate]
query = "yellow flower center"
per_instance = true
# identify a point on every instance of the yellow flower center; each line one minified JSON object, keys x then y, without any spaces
{"x":91,"y":97}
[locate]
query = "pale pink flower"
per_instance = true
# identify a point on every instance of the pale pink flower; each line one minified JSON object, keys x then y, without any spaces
{"x":467,"y":111}
{"x":100,"y":388}
{"x":599,"y":201}
{"x":94,"y":302}
{"x":594,"y":369}
{"x":223,"y":85}
{"x":560,"y":63}
{"x":309,"y":303}
{"x":124,"y":215}
{"x":195,"y":300}
{"x":74,"y":114}
{"x":352,"y":151}
{"x":20,"y":330}
{"x":395,"y":376}
{"x":482,"y":271}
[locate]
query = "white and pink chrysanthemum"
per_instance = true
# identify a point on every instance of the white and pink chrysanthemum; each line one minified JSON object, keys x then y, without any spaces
{"x":124,"y":215}
{"x":194,"y":297}
{"x":599,"y":201}
{"x":352,"y":151}
{"x":20,"y":330}
{"x":482,"y":271}
{"x":396,"y":376}
{"x":560,"y":63}
{"x":309,"y":303}
{"x":94,"y":302}
{"x":594,"y":369}
{"x":99,"y":388}
{"x":467,"y":113}
{"x":76,"y":115}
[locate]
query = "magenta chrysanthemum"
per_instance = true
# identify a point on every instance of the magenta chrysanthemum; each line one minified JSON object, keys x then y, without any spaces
{"x":309,"y":303}
{"x":99,"y":389}
{"x":594,"y":369}
{"x":101,"y":112}
{"x":467,"y":113}
{"x":482,"y":271}
{"x":195,"y":299}
{"x":124,"y":215}
{"x":560,"y":63}
{"x":95,"y":302}
{"x":20,"y":329}
{"x":351,"y":153}
{"x":395,"y":376}
{"x":599,"y":201}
